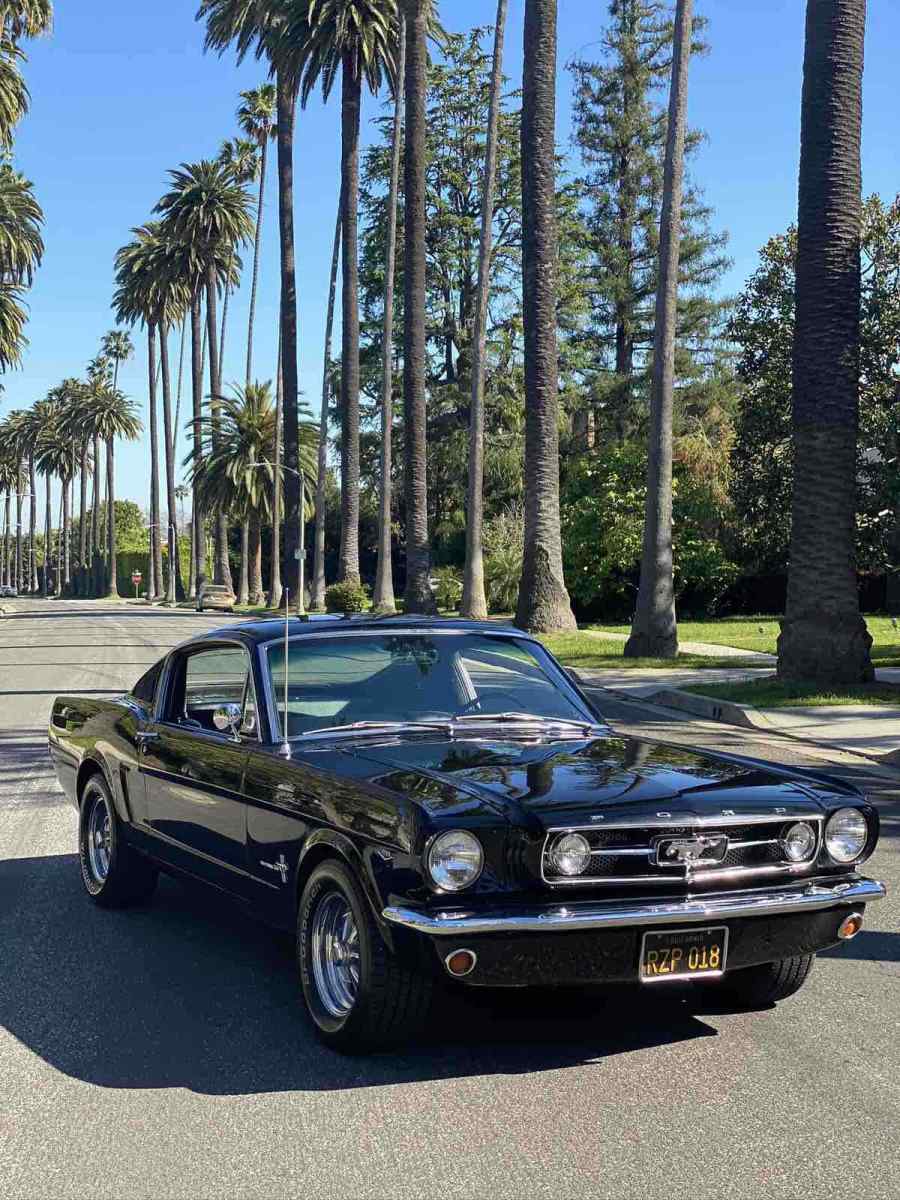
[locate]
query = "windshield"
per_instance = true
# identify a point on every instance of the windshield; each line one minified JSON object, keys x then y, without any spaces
{"x":409,"y":677}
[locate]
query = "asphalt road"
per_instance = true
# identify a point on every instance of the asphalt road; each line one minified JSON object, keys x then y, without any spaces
{"x":162,"y":1053}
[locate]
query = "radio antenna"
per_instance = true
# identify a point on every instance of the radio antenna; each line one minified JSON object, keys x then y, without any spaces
{"x":285,"y":750}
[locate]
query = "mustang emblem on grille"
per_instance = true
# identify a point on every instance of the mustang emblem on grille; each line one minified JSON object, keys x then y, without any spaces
{"x":690,"y":851}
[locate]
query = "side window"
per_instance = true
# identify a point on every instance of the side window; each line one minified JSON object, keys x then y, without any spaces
{"x":207,"y":679}
{"x":145,"y":688}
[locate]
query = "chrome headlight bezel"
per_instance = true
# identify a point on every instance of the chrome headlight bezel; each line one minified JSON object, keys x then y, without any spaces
{"x":854,"y":849}
{"x":555,"y":854}
{"x":468,"y":858}
{"x":812,"y":842}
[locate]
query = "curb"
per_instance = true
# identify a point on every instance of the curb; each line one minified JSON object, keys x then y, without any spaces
{"x":726,"y":712}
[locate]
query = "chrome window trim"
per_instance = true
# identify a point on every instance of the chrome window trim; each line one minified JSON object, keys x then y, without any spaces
{"x":681,"y":873}
{"x":165,"y":685}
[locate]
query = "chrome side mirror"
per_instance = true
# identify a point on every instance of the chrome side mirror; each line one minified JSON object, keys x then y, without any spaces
{"x":227,"y":719}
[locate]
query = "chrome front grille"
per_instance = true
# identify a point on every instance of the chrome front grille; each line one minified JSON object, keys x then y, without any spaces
{"x":627,"y":853}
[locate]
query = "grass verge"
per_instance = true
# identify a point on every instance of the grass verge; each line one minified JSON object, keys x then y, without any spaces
{"x":771,"y":693}
{"x":587,"y":650}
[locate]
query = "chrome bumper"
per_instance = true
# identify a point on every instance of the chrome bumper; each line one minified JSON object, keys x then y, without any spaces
{"x":614,"y":914}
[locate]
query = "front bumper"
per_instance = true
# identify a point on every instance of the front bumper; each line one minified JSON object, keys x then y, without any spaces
{"x":596,"y":941}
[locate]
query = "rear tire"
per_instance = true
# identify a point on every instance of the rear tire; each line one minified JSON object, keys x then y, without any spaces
{"x":758,"y":987}
{"x":114,"y":874}
{"x":358,"y":994}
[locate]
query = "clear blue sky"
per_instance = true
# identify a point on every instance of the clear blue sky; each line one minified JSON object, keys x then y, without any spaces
{"x":122,"y":91}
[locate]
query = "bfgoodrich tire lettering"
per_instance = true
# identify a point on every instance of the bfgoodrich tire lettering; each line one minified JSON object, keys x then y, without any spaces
{"x":114,"y":875}
{"x":389,"y":1002}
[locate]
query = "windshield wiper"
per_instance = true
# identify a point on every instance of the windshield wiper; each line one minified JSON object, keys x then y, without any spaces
{"x":521,"y":718}
{"x":357,"y":726}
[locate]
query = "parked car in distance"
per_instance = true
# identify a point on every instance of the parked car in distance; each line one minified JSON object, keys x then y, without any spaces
{"x":423,"y":800}
{"x":8,"y":592}
{"x":215,"y":596}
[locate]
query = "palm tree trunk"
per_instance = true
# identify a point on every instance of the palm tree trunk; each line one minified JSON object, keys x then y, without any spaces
{"x":293,"y":501}
{"x":244,"y":585}
{"x":474,"y":601}
{"x":7,"y":577}
{"x":275,"y":580}
{"x":82,"y":522}
{"x":66,"y":534}
{"x":257,"y":241}
{"x":155,"y":582}
{"x":419,"y":598}
{"x":96,"y":536}
{"x":255,"y":557}
{"x":19,"y":557}
{"x":59,"y":542}
{"x":197,"y":520}
{"x":32,"y":525}
{"x":654,"y":632}
{"x":543,"y":600}
{"x":318,"y":589}
{"x":175,"y":585}
{"x":222,"y":566}
{"x":111,"y":514}
{"x":348,"y":560}
{"x":383,"y":596}
{"x":823,"y":636}
{"x":48,"y":535}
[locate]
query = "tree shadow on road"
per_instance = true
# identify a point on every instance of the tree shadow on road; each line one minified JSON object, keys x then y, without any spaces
{"x":188,"y":992}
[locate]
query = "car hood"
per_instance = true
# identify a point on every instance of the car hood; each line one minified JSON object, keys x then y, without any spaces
{"x":561,"y":783}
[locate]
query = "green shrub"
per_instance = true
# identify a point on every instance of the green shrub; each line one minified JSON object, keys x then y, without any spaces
{"x":504,"y":542}
{"x":448,"y":587}
{"x":346,"y":598}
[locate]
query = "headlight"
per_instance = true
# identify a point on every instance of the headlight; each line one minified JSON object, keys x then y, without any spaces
{"x":846,"y":835}
{"x":455,"y":860}
{"x":570,"y":854}
{"x":799,"y":842}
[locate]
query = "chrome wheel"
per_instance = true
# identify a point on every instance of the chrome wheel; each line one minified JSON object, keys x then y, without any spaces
{"x":334,"y":945}
{"x":99,"y":839}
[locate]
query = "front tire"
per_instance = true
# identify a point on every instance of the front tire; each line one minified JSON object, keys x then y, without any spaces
{"x":114,"y":875}
{"x":759,"y":987}
{"x":358,"y":994}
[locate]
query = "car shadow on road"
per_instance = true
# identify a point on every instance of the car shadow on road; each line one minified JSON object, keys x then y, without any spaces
{"x":188,"y":992}
{"x":871,"y":945}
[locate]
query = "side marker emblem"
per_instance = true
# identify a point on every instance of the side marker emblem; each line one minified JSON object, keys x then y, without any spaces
{"x":280,"y":867}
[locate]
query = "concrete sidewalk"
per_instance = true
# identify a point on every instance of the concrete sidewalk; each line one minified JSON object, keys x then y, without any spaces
{"x":869,"y":730}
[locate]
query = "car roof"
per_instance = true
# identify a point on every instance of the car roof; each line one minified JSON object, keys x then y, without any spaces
{"x":268,"y":629}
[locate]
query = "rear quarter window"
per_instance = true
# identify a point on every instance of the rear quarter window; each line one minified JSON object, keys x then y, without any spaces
{"x":145,"y":688}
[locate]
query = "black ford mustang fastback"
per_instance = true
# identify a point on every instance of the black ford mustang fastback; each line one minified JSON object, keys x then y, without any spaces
{"x":425,"y":799}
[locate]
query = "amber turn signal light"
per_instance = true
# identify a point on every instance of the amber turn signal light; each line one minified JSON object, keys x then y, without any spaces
{"x":460,"y":962}
{"x":850,"y":927}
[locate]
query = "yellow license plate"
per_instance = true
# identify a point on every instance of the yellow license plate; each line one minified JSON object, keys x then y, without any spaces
{"x":683,"y":953}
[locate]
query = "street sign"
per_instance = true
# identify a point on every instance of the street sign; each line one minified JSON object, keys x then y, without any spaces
{"x":136,"y":578}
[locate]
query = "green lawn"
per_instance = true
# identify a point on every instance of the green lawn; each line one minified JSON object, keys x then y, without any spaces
{"x":769,"y":693}
{"x":587,"y":650}
{"x":761,"y":633}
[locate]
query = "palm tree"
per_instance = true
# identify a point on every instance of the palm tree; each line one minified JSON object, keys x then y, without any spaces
{"x":418,"y":587}
{"x":12,"y":326}
{"x":543,"y":600}
{"x":474,"y":601}
{"x":238,"y":471}
{"x":25,"y":18}
{"x":74,"y":423}
{"x":383,"y":594}
{"x":208,"y":212}
{"x":30,"y":432}
{"x":654,"y":632}
{"x":256,"y":117}
{"x":359,"y":38}
{"x":317,"y":599}
{"x":115,"y":416}
{"x":21,"y":217}
{"x":260,"y":26}
{"x":13,"y":91}
{"x":823,"y":636}
{"x":55,"y":459}
{"x":241,"y":156}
